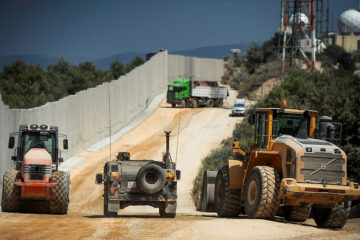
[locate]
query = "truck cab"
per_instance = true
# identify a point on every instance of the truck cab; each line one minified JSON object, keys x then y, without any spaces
{"x":177,"y":91}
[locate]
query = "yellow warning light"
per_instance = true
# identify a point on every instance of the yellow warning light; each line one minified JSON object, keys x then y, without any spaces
{"x":170,"y":176}
{"x":115,"y":175}
{"x":283,"y":103}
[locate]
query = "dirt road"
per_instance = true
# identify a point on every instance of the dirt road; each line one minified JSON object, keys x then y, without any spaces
{"x":200,"y":130}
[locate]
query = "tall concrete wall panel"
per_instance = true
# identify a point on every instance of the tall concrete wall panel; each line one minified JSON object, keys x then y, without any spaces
{"x":195,"y":68}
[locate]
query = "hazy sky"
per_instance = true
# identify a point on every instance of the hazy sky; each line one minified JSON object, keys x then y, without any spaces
{"x":99,"y":28}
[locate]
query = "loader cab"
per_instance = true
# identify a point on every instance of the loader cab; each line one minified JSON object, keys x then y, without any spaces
{"x":271,"y":123}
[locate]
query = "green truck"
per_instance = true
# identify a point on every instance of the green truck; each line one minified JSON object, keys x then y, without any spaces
{"x":187,"y":93}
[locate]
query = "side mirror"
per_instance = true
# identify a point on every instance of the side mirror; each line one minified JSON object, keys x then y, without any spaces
{"x":178,"y":174}
{"x":65,"y":143}
{"x":11,"y":142}
{"x":99,"y":178}
{"x":61,"y":160}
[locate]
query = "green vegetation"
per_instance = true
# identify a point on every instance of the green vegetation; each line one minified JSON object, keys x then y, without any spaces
{"x":28,"y":86}
{"x":259,"y":64}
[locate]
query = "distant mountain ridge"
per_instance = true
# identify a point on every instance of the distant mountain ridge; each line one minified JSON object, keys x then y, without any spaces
{"x":219,"y":51}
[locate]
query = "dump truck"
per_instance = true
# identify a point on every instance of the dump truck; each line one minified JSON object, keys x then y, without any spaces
{"x":293,"y":167}
{"x":187,"y":93}
{"x":140,"y":182}
{"x":36,"y":178}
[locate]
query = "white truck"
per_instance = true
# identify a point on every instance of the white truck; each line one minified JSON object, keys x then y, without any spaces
{"x":239,"y":108}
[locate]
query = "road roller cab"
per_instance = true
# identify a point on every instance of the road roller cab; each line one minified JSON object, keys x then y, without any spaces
{"x":36,"y":176}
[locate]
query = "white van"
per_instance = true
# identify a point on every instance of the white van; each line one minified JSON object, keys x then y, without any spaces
{"x":239,"y":107}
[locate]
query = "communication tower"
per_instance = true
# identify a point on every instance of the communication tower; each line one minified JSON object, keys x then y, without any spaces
{"x":298,"y":32}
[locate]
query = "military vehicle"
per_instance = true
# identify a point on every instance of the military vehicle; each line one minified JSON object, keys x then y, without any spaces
{"x":292,"y":166}
{"x":36,"y":178}
{"x":140,"y":182}
{"x":187,"y":93}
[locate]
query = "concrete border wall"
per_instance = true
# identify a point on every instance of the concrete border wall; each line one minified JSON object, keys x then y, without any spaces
{"x":207,"y":69}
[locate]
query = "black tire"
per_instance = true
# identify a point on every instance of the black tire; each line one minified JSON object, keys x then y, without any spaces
{"x":194,"y":103}
{"x":210,"y":103}
{"x":106,"y":199}
{"x":335,"y":217}
{"x":164,"y":214}
{"x":227,"y":201}
{"x":59,"y":201}
{"x":296,"y":213}
{"x":150,"y":178}
{"x":219,"y":102}
{"x":173,"y":105}
{"x":183,"y":103}
{"x":261,"y":192}
{"x":10,"y":192}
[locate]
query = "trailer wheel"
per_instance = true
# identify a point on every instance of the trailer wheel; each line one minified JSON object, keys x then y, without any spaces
{"x":227,"y":201}
{"x":194,"y":103}
{"x":183,"y":103}
{"x":219,"y":102}
{"x":262,"y":192}
{"x":296,"y":213}
{"x":210,"y":103}
{"x":150,"y":178}
{"x":10,"y":192}
{"x":335,"y":217}
{"x":59,"y":201}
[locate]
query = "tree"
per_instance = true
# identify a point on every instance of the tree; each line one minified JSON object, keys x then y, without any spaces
{"x":117,"y":69}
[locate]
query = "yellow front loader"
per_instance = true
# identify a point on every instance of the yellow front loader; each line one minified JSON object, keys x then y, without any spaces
{"x":292,"y":167}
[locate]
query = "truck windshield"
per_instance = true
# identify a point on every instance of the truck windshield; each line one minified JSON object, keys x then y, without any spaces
{"x":37,"y":140}
{"x":285,"y":123}
{"x":176,"y":89}
{"x":239,"y":105}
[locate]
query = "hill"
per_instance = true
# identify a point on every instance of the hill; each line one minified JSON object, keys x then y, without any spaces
{"x":219,"y":51}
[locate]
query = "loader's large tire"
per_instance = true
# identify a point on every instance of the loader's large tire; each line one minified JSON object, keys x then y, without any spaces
{"x":296,"y":213}
{"x":227,"y":201}
{"x":10,"y":192}
{"x":151,"y":178}
{"x":59,"y":201}
{"x":261,"y":192}
{"x":335,"y":217}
